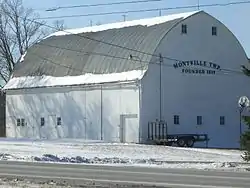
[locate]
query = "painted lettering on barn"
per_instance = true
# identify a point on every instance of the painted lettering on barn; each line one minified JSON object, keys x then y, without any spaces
{"x":197,"y":67}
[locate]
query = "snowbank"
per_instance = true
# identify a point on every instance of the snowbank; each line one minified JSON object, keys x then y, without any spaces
{"x":96,"y":152}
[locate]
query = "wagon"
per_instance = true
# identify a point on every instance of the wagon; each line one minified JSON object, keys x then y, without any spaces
{"x":158,"y":134}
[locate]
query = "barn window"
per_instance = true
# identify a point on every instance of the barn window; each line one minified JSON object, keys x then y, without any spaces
{"x":222,"y":120}
{"x":42,"y":121}
{"x":59,"y":121}
{"x":18,"y":122}
{"x":214,"y":31}
{"x":199,"y":120}
{"x":23,"y":122}
{"x":176,"y":120}
{"x":184,"y":29}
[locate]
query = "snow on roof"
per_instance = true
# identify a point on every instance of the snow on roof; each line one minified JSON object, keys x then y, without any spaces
{"x":50,"y":81}
{"x":144,"y":22}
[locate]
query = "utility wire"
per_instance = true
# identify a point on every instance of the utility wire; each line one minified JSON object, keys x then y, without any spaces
{"x":146,"y":10}
{"x":90,"y":53}
{"x":118,"y":46}
{"x":47,"y":60}
{"x":99,"y":41}
{"x":99,"y":4}
{"x":117,"y":57}
{"x":54,"y":63}
{"x":69,"y":67}
{"x":123,"y":47}
{"x":115,"y":45}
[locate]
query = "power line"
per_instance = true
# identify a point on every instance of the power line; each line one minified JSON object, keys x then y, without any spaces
{"x":118,"y":46}
{"x":88,"y":53}
{"x":65,"y":66}
{"x":118,"y":57}
{"x":115,"y":45}
{"x":99,"y":4}
{"x":54,"y":63}
{"x":220,"y":73}
{"x":97,"y":54}
{"x":100,"y":41}
{"x":145,"y":10}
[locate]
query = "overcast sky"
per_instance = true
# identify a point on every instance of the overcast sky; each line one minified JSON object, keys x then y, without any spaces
{"x":235,"y":17}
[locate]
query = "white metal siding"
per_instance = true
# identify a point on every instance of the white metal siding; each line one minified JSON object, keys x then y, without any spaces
{"x":79,"y":109}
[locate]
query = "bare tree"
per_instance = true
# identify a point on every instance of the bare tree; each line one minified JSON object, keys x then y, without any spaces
{"x":18,"y":31}
{"x":59,"y":25}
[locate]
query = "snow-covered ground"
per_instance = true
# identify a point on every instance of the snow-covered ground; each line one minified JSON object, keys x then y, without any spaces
{"x":24,"y":183}
{"x":96,"y":152}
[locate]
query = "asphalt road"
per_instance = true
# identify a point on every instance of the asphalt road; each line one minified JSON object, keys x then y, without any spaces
{"x":78,"y":174}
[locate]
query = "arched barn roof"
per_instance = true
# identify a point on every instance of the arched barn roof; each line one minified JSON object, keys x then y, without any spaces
{"x":58,"y":55}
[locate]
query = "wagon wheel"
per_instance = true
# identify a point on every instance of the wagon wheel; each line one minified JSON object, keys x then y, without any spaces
{"x":190,"y":143}
{"x":181,"y":142}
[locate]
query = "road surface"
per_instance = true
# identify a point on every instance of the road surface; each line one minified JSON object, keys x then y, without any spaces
{"x":78,"y":174}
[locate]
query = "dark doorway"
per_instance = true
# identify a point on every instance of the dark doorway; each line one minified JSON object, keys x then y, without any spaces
{"x":2,"y":114}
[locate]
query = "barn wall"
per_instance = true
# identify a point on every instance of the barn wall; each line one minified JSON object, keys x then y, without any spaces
{"x":189,"y":95}
{"x":84,"y":112}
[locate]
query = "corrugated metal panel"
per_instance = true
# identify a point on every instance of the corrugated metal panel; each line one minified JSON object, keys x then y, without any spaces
{"x":44,"y":59}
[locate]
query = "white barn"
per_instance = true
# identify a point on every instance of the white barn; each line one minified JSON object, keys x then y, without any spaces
{"x":106,"y":83}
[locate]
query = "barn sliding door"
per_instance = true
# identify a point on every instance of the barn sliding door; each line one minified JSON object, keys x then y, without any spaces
{"x":129,"y":128}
